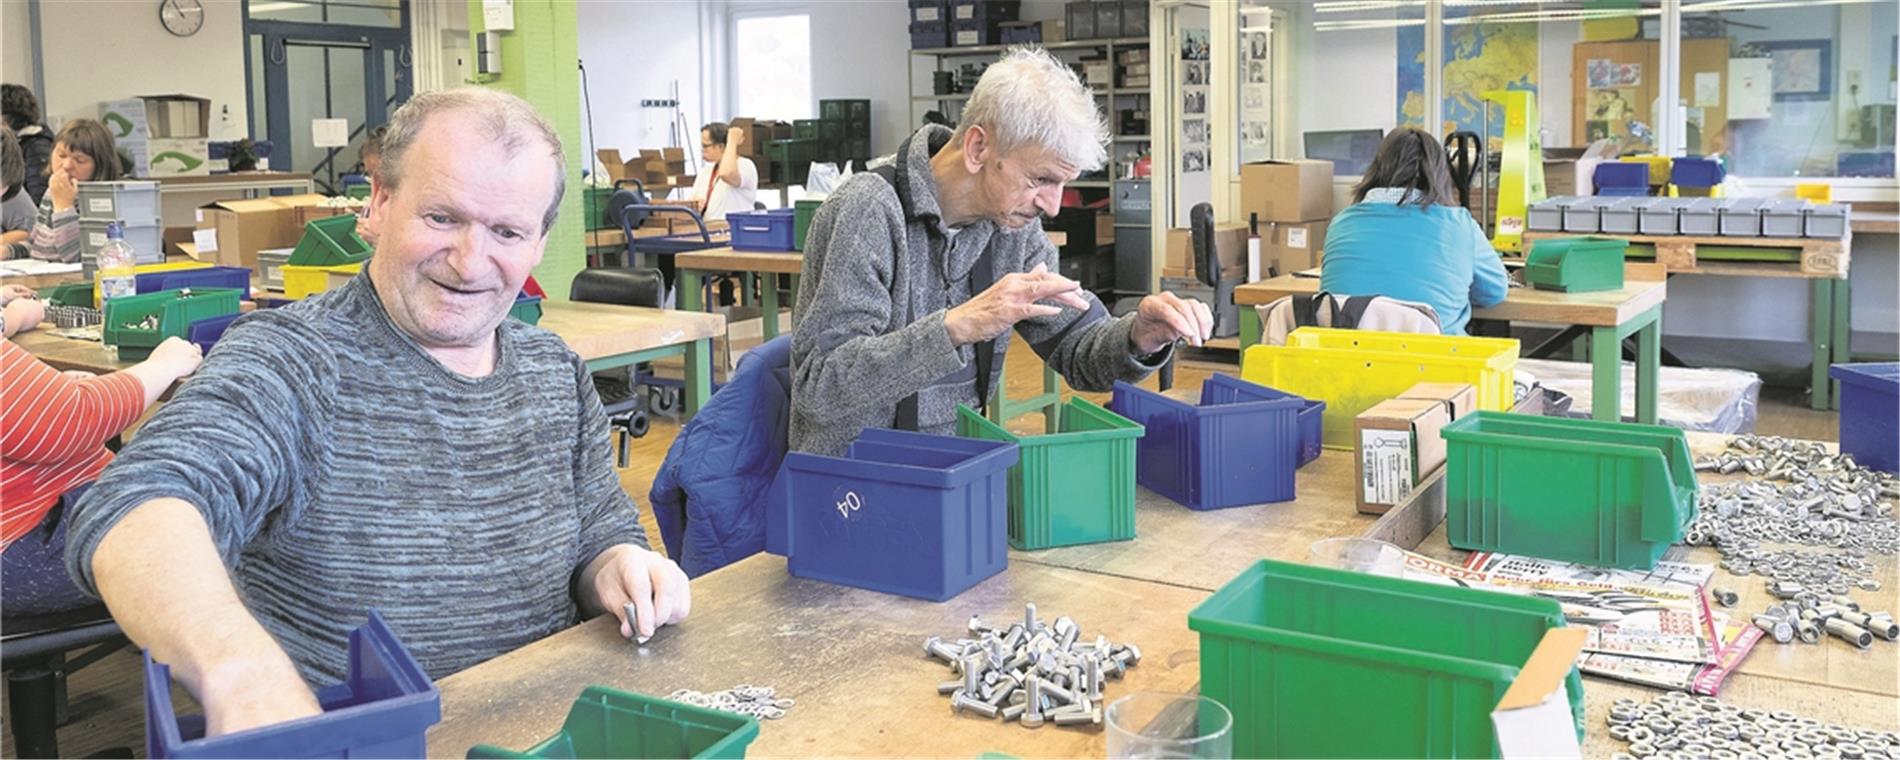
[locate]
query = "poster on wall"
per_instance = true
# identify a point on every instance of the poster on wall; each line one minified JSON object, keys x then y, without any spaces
{"x":1479,"y":57}
{"x":1749,"y":96}
{"x":1255,"y":116}
{"x":1193,"y":89}
{"x":1193,"y":183}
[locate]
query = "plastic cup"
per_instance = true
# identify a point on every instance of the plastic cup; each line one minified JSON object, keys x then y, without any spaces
{"x":1152,"y":724}
{"x":1360,"y":555}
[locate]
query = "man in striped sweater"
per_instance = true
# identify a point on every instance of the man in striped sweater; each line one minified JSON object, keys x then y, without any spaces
{"x":395,"y":444}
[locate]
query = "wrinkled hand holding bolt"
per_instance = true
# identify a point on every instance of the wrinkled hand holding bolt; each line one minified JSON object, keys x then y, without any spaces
{"x":1675,"y":724}
{"x":744,"y":699}
{"x":1826,"y":501}
{"x":1030,"y":671}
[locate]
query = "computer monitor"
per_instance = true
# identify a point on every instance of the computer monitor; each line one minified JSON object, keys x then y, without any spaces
{"x":1350,"y":150}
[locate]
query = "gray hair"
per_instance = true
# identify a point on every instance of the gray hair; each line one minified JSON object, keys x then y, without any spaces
{"x":503,"y":118}
{"x":1030,"y":98}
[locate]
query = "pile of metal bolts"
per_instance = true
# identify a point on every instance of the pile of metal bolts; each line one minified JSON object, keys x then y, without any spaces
{"x":1031,"y":672}
{"x":1675,"y":724}
{"x":1826,"y":501}
{"x":744,"y":699}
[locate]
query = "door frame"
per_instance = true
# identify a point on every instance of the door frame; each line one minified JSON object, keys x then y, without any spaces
{"x":276,"y":107}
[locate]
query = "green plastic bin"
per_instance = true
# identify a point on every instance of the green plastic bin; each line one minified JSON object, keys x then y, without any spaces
{"x":609,"y":723}
{"x":1612,"y":494}
{"x":802,"y":212}
{"x":527,"y":309}
{"x":69,"y":294}
{"x":1075,"y":486}
{"x":175,"y":311}
{"x":1576,"y":264}
{"x":1317,"y":662}
{"x":803,"y":129}
{"x":594,"y":209}
{"x":357,"y":192}
{"x":330,"y":241}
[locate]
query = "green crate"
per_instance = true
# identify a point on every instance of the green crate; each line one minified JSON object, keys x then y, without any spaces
{"x":831,"y":130}
{"x":1317,"y":662}
{"x":805,"y":129}
{"x":328,"y":242}
{"x":802,"y":212}
{"x":69,"y":294}
{"x":792,"y":158}
{"x":1612,"y":494}
{"x":1575,"y":264}
{"x":357,"y":192}
{"x":608,"y":722}
{"x":175,"y":311}
{"x":1075,"y":486}
{"x":527,"y":309}
{"x":594,"y":208}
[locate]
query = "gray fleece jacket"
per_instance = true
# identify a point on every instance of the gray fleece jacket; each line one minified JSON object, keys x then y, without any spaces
{"x":876,"y":285}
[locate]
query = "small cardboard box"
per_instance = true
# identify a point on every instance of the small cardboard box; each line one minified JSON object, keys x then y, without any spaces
{"x":171,"y":157}
{"x":175,"y":116}
{"x":1397,"y":444}
{"x":1104,"y":229}
{"x":1054,"y":30}
{"x":1292,"y":246}
{"x":618,"y":169}
{"x":1570,"y":171}
{"x":307,"y":208}
{"x":1097,"y":74}
{"x":232,"y":232}
{"x":1230,"y":243}
{"x":1534,"y":717}
{"x":1287,"y":191}
{"x":1459,"y":398}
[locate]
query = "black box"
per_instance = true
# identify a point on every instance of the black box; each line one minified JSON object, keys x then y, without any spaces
{"x":968,"y":33}
{"x":1022,"y":32}
{"x":930,"y":10}
{"x":1134,"y":18}
{"x":992,"y":11}
{"x":1081,"y":14}
{"x":929,"y":34}
{"x":1108,"y":19}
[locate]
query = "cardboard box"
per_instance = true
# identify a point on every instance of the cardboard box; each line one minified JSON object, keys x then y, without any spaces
{"x":1054,"y":30}
{"x":232,"y":232}
{"x":307,"y":208}
{"x":1104,"y":229}
{"x":157,"y":116}
{"x":170,"y":157}
{"x":1459,"y":399}
{"x":1534,"y":717}
{"x":1397,"y":444}
{"x":1096,"y":74}
{"x":1230,"y":244}
{"x":1287,"y":191}
{"x":1292,"y":246}
{"x":1570,"y":171}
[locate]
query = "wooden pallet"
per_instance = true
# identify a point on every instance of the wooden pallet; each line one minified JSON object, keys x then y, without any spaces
{"x":1820,"y":258}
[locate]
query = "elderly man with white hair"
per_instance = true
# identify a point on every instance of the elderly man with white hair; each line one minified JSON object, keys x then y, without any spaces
{"x":396,"y":445}
{"x":916,"y":272}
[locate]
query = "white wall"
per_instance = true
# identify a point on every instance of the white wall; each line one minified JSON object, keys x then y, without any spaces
{"x":140,"y":58}
{"x":634,"y":52}
{"x":1362,"y":62}
{"x":16,"y":43}
{"x":848,"y":60}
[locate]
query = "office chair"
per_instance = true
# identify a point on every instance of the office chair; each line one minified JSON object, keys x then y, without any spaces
{"x":619,"y":389}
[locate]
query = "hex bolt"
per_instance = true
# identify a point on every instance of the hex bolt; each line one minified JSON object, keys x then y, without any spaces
{"x":1725,"y":597}
{"x":1094,"y":677}
{"x":1032,"y":718}
{"x":1075,"y":719}
{"x":949,"y":687}
{"x":977,"y":627}
{"x":963,"y":702}
{"x":1842,"y":601}
{"x":1850,"y":633}
{"x":1014,"y":712}
{"x":1058,"y":693}
{"x":1029,"y":619}
{"x":936,"y":646}
{"x":1884,"y":628}
{"x":1776,"y":627}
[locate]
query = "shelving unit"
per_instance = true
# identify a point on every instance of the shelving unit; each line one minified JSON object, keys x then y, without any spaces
{"x":1136,"y":260}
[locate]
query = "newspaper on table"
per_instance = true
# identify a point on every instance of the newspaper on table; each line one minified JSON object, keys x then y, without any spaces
{"x":1651,"y":627}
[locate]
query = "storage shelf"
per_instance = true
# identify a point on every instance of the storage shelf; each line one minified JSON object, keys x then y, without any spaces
{"x":952,"y":96}
{"x":1102,"y":183}
{"x":975,"y":50}
{"x":1132,"y":138}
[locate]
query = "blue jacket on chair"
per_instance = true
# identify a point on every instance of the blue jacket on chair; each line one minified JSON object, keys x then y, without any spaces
{"x":709,"y":495}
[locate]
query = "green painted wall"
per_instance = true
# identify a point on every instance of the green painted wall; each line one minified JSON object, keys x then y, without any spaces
{"x":539,"y":63}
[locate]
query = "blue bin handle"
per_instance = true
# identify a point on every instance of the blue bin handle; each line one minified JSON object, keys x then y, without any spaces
{"x":778,"y":510}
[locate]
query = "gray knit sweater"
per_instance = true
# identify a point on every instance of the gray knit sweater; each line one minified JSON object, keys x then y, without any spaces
{"x":342,"y":469}
{"x":871,"y":304}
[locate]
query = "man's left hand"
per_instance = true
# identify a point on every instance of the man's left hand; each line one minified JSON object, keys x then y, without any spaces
{"x":1164,"y":318}
{"x":655,"y":586}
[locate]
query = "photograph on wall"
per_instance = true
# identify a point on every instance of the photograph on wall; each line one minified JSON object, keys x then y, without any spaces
{"x":1256,"y":73}
{"x":1193,"y":161}
{"x":1194,"y":132}
{"x":1194,"y":74}
{"x":1629,"y":75}
{"x":1194,"y":44}
{"x":1252,"y":98}
{"x":1601,"y":73}
{"x":1800,"y":69}
{"x":1613,"y":106}
{"x":1595,"y":130}
{"x":1257,"y":45}
{"x":1194,"y":102}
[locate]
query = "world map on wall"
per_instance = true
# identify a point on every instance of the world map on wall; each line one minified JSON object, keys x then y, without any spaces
{"x":1478,"y":57}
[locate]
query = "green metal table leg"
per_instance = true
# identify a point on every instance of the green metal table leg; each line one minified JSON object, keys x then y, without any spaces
{"x":692,"y":283}
{"x":1606,"y":374}
{"x":698,"y":377}
{"x":1648,"y":367}
{"x":768,"y":296}
{"x":1249,"y":328}
{"x":1820,"y":331}
{"x":1843,"y":341}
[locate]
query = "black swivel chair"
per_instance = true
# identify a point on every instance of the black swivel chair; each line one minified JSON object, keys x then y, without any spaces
{"x":33,"y":654}
{"x":619,"y":390}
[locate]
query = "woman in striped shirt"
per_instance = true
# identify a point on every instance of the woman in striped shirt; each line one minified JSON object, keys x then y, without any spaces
{"x":53,"y":430}
{"x":83,"y":153}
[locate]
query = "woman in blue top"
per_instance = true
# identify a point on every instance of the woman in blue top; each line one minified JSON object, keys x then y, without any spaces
{"x":1405,"y":237}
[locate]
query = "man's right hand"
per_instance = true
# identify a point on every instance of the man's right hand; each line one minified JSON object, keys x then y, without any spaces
{"x":1012,"y":299}
{"x":256,"y":694}
{"x":64,"y":190}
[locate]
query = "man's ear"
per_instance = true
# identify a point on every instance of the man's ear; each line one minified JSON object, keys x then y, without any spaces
{"x":977,"y":149}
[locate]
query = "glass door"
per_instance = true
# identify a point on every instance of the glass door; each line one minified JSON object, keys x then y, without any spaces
{"x":327,"y":60}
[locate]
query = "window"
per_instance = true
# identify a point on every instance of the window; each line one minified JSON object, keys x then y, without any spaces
{"x":771,"y":66}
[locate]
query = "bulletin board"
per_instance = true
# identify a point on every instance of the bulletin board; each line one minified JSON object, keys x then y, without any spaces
{"x":1614,"y":85}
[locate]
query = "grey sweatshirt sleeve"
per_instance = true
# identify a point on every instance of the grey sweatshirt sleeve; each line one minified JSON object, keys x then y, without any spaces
{"x":237,"y":440}
{"x":1090,"y":349}
{"x":608,"y":515}
{"x":842,"y":360}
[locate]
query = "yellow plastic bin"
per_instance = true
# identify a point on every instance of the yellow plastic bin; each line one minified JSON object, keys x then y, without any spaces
{"x":301,"y":282}
{"x":1351,"y":370}
{"x":169,"y":266}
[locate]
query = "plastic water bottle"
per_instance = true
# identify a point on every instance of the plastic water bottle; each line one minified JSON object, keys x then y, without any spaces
{"x":117,"y":260}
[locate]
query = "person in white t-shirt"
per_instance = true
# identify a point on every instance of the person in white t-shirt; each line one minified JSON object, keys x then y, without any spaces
{"x":732,"y":182}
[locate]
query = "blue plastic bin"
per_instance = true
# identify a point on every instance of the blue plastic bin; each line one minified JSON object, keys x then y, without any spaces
{"x":903,"y":513}
{"x":1870,"y":413}
{"x":1696,"y":172}
{"x":1621,"y":174}
{"x":762,"y":230}
{"x":237,"y":278}
{"x":384,"y":709}
{"x":1312,"y":417}
{"x":206,"y":332}
{"x":1239,"y":446}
